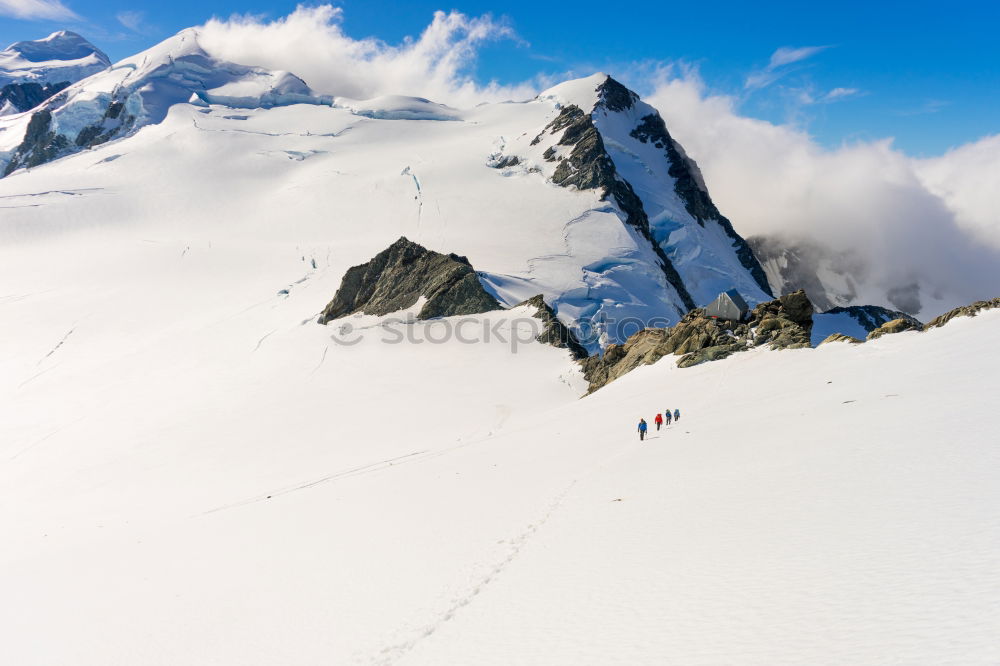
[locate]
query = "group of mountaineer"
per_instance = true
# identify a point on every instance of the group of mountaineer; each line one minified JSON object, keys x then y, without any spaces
{"x":660,"y":420}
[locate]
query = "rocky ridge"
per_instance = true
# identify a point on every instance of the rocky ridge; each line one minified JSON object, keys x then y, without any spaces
{"x":784,"y":323}
{"x":554,"y":332}
{"x":970,"y":310}
{"x":396,"y":278}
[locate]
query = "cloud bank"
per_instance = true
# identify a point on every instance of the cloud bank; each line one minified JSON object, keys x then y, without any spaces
{"x":311,"y":43}
{"x":934,"y":221}
{"x":52,"y":10}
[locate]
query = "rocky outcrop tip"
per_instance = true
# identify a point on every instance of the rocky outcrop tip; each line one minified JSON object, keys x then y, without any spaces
{"x":970,"y":310}
{"x":554,"y":332}
{"x":894,"y":326}
{"x":396,"y":278}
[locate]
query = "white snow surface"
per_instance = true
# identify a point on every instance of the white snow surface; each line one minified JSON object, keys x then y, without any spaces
{"x":192,"y":471}
{"x":62,"y":56}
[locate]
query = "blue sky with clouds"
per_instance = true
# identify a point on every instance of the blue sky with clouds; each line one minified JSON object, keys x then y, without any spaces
{"x":925,"y":73}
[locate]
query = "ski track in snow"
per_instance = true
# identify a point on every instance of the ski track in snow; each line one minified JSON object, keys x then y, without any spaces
{"x":42,"y":440}
{"x":261,"y":341}
{"x":364,"y":469}
{"x":322,"y":359}
{"x":58,"y":345}
{"x":393,"y":653}
{"x":36,"y":376}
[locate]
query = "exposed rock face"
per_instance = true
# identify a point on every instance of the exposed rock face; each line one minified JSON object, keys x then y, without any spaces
{"x":115,"y":122}
{"x":40,"y":143}
{"x":589,"y":167}
{"x":19,"y":97}
{"x":894,"y":326}
{"x":871,"y":317}
{"x":397,"y":277}
{"x":784,"y":323}
{"x":554,"y":332}
{"x":690,"y":187}
{"x":965,"y":311}
{"x":840,"y":337}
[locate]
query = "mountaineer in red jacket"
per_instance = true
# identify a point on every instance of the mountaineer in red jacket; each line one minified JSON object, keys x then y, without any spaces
{"x":658,"y":420}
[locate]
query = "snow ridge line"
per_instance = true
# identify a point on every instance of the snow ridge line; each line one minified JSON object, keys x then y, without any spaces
{"x":393,"y":653}
{"x":371,"y":467}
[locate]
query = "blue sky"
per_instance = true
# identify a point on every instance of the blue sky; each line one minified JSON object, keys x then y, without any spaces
{"x":925,"y":73}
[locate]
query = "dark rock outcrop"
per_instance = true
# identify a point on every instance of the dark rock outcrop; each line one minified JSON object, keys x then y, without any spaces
{"x":840,"y":337}
{"x":40,"y":143}
{"x":114,"y":123}
{"x":870,"y":317}
{"x":613,"y":96}
{"x":397,"y":277}
{"x":970,"y":310}
{"x":894,"y":326}
{"x":26,"y":96}
{"x":554,"y":332}
{"x":784,"y":323}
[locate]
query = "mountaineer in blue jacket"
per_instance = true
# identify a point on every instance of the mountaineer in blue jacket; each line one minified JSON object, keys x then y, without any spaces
{"x":677,"y":415}
{"x":642,"y":429}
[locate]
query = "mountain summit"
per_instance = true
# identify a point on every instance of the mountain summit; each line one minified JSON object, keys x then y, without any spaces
{"x":62,"y":56}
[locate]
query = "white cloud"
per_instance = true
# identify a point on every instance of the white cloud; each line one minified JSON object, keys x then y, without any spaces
{"x":132,"y":19}
{"x":903,"y":218}
{"x":840,"y":93}
{"x":53,"y":10}
{"x":786,"y":55}
{"x":966,"y":179}
{"x":311,"y":43}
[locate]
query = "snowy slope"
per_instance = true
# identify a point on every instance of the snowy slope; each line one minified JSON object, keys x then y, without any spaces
{"x":62,"y":56}
{"x":191,"y":471}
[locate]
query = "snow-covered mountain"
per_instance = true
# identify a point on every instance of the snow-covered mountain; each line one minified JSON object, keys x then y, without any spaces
{"x":194,"y":470}
{"x":580,"y":195}
{"x":33,"y":71}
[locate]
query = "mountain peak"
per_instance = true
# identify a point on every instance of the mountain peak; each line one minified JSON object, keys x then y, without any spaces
{"x":62,"y":57}
{"x":590,"y":92}
{"x":613,"y":96}
{"x":61,"y":45}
